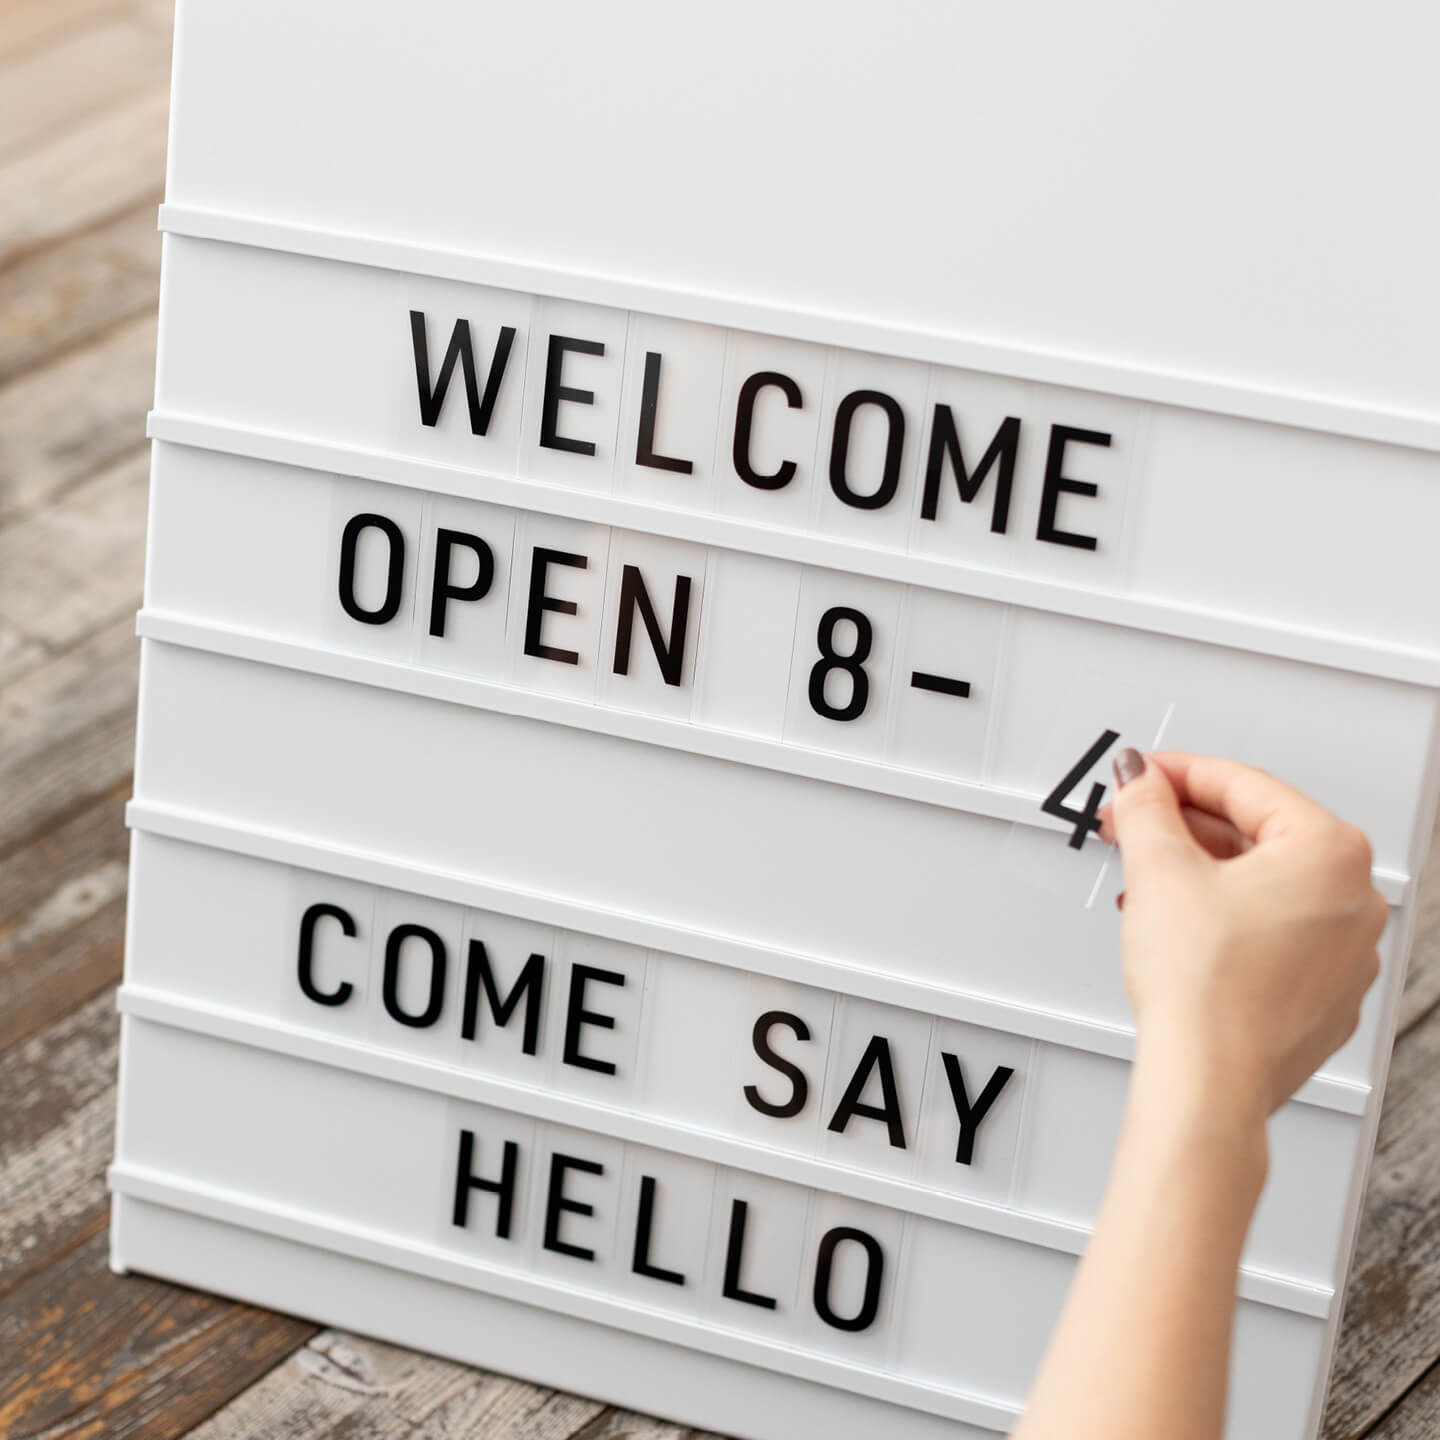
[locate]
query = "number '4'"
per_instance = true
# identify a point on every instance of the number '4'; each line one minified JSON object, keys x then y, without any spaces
{"x":1087,"y":820}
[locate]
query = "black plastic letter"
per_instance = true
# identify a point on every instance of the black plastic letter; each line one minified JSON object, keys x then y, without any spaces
{"x":799,"y":1084}
{"x":466,"y":1180}
{"x":644,"y":1223}
{"x":884,"y":492}
{"x":1057,"y":482}
{"x":649,"y":405}
{"x":876,"y":1057}
{"x":540,"y":602}
{"x":389,"y":607}
{"x":390,"y":988}
{"x":527,"y":988}
{"x":970,"y":1115}
{"x":945,"y":444}
{"x":577,"y":1015}
{"x":669,"y":655}
{"x":745,"y":422}
{"x":735,"y":1258}
{"x":556,"y":1202}
{"x":432,"y":399}
{"x":874,"y":1276}
{"x":443,"y":589}
{"x":305,"y":966}
{"x":555,"y":392}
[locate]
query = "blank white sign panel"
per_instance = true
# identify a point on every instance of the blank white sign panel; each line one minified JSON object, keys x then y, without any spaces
{"x":626,"y":693}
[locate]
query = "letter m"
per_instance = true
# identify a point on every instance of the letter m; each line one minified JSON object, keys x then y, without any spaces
{"x":1000,"y":456}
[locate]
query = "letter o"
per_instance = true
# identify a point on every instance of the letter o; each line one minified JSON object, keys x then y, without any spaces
{"x":389,"y":607}
{"x":390,"y":990}
{"x":824,"y":1272}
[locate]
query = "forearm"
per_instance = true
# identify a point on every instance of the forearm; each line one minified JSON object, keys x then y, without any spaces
{"x":1142,"y":1348}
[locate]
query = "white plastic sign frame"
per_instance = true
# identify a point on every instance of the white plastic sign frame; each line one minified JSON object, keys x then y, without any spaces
{"x":638,"y":613}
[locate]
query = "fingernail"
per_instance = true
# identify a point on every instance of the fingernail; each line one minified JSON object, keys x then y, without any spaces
{"x":1120,"y":901}
{"x":1129,"y":765}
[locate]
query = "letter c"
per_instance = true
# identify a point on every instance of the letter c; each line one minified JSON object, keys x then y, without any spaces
{"x":306,"y":976}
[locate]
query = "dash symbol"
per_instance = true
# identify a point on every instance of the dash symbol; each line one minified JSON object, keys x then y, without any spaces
{"x":940,"y":684}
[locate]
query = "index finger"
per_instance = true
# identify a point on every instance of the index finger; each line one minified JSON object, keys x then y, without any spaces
{"x":1254,"y":802}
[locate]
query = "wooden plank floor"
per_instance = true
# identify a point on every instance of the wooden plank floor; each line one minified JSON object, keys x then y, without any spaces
{"x":83,"y":87}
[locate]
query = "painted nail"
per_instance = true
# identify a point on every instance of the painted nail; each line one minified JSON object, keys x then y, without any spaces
{"x":1120,"y":901}
{"x":1129,"y":765}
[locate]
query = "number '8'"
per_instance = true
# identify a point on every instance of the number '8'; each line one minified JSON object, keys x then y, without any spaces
{"x":831,"y":659}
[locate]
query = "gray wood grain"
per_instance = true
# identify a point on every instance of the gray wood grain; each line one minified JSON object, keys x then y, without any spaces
{"x":74,"y":566}
{"x":55,"y":298}
{"x":1422,"y":984}
{"x":84,"y":1352}
{"x":1416,"y":1416}
{"x":1390,"y":1334}
{"x":51,"y":86}
{"x":92,"y":1354}
{"x":344,"y":1385}
{"x":31,"y":25}
{"x":68,"y":418}
{"x":57,"y":1132}
{"x":626,"y":1425}
{"x":106,"y":163}
{"x":67,"y":734}
{"x":62,"y":917}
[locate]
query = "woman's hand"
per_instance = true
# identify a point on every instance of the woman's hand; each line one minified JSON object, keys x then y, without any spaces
{"x":1250,"y":931}
{"x":1250,"y":928}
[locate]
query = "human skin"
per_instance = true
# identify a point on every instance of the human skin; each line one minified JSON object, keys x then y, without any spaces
{"x":1249,"y":942}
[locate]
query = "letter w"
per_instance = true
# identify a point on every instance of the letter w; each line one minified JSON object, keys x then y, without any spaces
{"x":432,"y":398}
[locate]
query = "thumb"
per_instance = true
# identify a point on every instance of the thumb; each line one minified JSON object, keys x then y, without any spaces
{"x":1149,"y":827}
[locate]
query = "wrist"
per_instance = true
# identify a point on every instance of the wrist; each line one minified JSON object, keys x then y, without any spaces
{"x":1186,"y":1108}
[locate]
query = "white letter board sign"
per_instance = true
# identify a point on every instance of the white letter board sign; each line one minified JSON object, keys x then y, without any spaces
{"x":661,"y":519}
